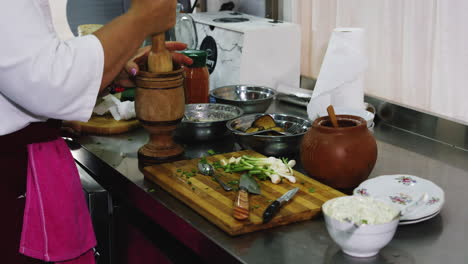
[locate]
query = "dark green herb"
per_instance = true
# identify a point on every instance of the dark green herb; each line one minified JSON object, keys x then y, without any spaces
{"x":364,"y":221}
{"x":193,"y":188}
{"x":98,"y":143}
{"x":302,"y":182}
{"x":194,"y":171}
{"x":255,"y":206}
{"x":233,"y":182}
{"x":179,"y":170}
{"x":189,"y":182}
{"x":130,"y":139}
{"x":203,"y":160}
{"x":211,"y":152}
{"x":311,"y":190}
{"x":217,"y":165}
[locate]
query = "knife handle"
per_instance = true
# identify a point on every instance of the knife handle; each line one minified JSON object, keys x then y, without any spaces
{"x":270,"y":212}
{"x":241,"y":205}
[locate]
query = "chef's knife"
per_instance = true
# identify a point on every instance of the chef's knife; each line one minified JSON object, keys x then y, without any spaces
{"x":274,"y":207}
{"x":241,"y":206}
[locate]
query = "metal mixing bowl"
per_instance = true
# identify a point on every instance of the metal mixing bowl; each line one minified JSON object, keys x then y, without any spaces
{"x":252,"y":99}
{"x":278,"y":146}
{"x":206,"y":121}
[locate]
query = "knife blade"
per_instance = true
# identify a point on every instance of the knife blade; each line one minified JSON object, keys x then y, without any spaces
{"x":274,"y":207}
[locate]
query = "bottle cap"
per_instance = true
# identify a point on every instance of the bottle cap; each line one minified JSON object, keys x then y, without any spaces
{"x":198,"y":57}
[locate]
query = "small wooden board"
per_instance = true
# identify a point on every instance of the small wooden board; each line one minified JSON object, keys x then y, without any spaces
{"x":206,"y":197}
{"x":105,"y":125}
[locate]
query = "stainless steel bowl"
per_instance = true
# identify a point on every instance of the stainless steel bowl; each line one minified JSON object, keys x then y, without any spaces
{"x":252,"y":99}
{"x":278,"y":146}
{"x":206,"y":121}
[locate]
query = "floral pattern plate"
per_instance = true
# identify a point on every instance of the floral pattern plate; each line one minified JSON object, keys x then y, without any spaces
{"x":401,"y":190}
{"x":408,"y":222}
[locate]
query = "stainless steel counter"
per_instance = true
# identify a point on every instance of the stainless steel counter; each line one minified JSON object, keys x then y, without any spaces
{"x":442,"y":239}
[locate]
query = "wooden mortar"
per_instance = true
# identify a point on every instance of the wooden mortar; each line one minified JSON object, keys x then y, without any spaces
{"x":160,"y":106}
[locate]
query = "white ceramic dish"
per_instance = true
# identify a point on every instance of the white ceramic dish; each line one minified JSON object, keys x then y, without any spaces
{"x":408,"y":222}
{"x":364,"y":240}
{"x":368,"y":116}
{"x":400,"y":190}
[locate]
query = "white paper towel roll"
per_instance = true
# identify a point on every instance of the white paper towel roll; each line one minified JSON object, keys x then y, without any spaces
{"x":341,"y":78}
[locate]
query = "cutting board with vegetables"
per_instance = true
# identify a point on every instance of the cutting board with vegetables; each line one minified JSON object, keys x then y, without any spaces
{"x":105,"y":125}
{"x":205,"y":196}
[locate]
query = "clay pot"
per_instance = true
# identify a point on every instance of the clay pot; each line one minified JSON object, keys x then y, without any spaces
{"x":340,"y":157}
{"x":160,"y":106}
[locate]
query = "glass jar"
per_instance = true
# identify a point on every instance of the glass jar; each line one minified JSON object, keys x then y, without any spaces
{"x":197,"y":78}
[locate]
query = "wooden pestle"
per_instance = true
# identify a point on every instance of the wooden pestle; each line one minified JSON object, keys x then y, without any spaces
{"x":331,"y":114}
{"x":159,"y":58}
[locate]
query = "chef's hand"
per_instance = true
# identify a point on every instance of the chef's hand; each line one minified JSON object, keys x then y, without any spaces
{"x":125,"y":77}
{"x":153,"y":16}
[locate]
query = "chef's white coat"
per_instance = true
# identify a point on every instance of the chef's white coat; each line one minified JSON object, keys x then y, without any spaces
{"x":41,"y":76}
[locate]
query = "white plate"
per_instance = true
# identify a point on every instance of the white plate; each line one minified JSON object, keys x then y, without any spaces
{"x":400,"y":190}
{"x":368,"y":116}
{"x":408,"y":222}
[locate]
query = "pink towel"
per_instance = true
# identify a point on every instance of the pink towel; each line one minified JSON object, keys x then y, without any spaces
{"x":56,"y":226}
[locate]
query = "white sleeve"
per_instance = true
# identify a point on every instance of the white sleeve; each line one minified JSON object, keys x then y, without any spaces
{"x":42,"y":74}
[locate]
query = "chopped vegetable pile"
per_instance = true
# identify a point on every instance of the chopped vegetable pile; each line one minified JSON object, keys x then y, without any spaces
{"x":263,"y":168}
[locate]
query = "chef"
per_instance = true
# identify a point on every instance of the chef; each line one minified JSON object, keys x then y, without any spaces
{"x":42,"y":80}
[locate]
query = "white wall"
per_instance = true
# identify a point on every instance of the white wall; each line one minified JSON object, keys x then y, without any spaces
{"x":418,"y":49}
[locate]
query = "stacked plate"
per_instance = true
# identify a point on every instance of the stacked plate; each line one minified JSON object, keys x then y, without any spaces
{"x":404,"y":190}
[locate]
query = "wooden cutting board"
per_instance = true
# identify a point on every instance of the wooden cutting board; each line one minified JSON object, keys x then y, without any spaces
{"x":206,"y":197}
{"x":105,"y":125}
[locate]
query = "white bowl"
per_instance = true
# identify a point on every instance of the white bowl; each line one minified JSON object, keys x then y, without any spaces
{"x":366,"y":115}
{"x":359,"y":241}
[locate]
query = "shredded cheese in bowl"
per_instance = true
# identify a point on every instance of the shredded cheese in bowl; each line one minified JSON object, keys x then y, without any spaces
{"x":360,"y":210}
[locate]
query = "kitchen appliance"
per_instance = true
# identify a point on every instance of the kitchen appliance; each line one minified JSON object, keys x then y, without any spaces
{"x":245,"y":49}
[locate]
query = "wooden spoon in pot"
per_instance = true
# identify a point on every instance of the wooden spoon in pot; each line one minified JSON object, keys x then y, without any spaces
{"x":331,"y":114}
{"x":159,"y":58}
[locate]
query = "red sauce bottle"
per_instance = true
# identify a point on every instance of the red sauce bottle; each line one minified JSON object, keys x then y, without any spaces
{"x":197,"y":78}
